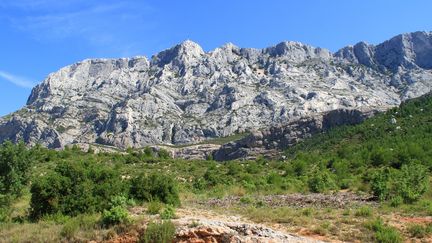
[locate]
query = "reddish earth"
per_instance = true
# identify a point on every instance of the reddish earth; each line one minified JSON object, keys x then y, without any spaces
{"x":201,"y":226}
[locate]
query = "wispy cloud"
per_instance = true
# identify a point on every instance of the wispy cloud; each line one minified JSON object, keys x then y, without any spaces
{"x":104,"y":24}
{"x":17,"y":80}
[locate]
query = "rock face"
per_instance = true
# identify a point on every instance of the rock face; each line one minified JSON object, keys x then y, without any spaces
{"x":184,"y":95}
{"x":272,"y":140}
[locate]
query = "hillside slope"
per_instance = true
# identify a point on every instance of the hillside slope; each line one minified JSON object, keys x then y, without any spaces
{"x":398,"y":137}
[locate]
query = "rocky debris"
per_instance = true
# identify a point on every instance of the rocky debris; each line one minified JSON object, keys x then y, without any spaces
{"x":185,"y":95}
{"x":203,"y":226}
{"x":318,"y":200}
{"x":271,"y":141}
{"x":236,"y":233}
{"x":197,"y":226}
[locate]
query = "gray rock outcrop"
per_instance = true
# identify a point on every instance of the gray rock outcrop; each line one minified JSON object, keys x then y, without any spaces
{"x":185,"y":95}
{"x":270,"y":141}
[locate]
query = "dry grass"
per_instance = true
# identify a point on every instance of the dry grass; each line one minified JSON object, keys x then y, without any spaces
{"x":30,"y":232}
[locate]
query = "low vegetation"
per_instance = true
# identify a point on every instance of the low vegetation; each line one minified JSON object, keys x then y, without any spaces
{"x":75,"y":192}
{"x":158,"y":232}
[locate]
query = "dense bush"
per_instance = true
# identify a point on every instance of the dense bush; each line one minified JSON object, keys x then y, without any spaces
{"x":115,"y":215}
{"x":74,"y":188}
{"x":412,"y":182}
{"x":158,"y":232}
{"x":380,"y":183}
{"x":168,"y":212}
{"x":164,"y":154}
{"x":384,"y":233}
{"x":15,"y":165}
{"x":155,"y":187}
{"x":154,"y":207}
{"x":409,"y":183}
{"x":82,"y":222}
{"x":321,"y":181}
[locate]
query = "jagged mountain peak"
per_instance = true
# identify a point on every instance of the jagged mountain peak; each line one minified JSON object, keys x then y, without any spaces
{"x":297,"y":51}
{"x":405,"y":51}
{"x":186,"y":50}
{"x":185,"y":95}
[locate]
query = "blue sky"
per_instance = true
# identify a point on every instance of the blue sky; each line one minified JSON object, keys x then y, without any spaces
{"x":38,"y":37}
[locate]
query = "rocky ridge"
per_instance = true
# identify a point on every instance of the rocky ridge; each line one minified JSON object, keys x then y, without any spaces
{"x":184,"y":95}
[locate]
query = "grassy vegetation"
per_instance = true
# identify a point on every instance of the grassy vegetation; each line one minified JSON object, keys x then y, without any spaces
{"x":49,"y":196}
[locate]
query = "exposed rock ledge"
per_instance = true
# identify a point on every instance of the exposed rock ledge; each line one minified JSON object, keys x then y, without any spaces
{"x":270,"y":142}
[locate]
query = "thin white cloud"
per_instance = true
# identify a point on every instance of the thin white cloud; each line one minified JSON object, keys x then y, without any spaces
{"x":111,"y":24}
{"x":32,"y":5}
{"x":17,"y":80}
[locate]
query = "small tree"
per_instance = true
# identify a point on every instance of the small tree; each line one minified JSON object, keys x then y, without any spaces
{"x":155,"y":187}
{"x":380,"y":184}
{"x":321,"y":181}
{"x":15,"y":164}
{"x":413,"y":182}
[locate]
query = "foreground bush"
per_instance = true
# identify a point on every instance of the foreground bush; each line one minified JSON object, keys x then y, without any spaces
{"x":408,"y":184}
{"x":82,"y":222}
{"x":15,"y":165}
{"x":321,"y":181}
{"x":159,"y":233}
{"x":154,"y":207}
{"x":384,"y":233}
{"x":155,"y":187}
{"x":75,"y":188}
{"x":117,"y":213}
{"x":168,"y":212}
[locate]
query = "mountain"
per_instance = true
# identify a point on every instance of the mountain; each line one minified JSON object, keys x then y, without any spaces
{"x":184,"y":95}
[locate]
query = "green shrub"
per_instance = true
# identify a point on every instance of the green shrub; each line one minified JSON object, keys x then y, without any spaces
{"x":164,"y":154}
{"x":384,"y":233}
{"x":321,"y":181}
{"x":72,"y":225}
{"x":69,"y":229}
{"x":253,"y":168}
{"x":199,"y":184}
{"x":396,"y":201}
{"x":413,"y":182}
{"x":307,"y":212}
{"x":57,"y":218}
{"x":213,"y":177}
{"x":115,"y":215}
{"x":234,"y":168}
{"x":274,"y":179}
{"x":154,"y":207}
{"x":4,"y":214}
{"x":148,"y":152}
{"x":380,"y":184}
{"x":155,"y":187}
{"x":74,"y":188}
{"x":420,"y":231}
{"x":364,"y":211}
{"x":409,"y":183}
{"x":158,"y":233}
{"x":121,"y":200}
{"x":246,"y":200}
{"x":168,"y":212}
{"x":15,"y":164}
